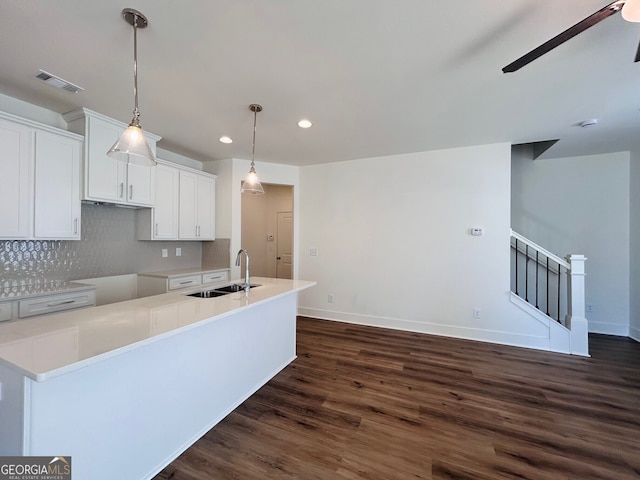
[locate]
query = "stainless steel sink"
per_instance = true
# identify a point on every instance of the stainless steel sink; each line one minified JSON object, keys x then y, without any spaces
{"x":218,"y":292}
{"x":233,"y":288}
{"x":208,"y":294}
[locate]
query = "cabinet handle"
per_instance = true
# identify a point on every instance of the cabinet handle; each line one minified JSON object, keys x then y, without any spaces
{"x":156,"y":234}
{"x":186,"y":282}
{"x":75,"y":226}
{"x":57,"y":304}
{"x":121,"y":190}
{"x":130,"y":192}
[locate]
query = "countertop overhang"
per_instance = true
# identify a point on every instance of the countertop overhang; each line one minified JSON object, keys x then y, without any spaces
{"x":48,"y":346}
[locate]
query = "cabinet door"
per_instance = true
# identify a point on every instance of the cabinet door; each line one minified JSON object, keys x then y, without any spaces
{"x":57,"y":187}
{"x":105,"y":177}
{"x":16,"y":175}
{"x":165,"y":212}
{"x":141,"y":182}
{"x":205,"y":208}
{"x":187,"y":206}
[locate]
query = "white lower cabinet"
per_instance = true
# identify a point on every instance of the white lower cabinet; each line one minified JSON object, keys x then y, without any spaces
{"x":155,"y":283}
{"x":40,"y":170}
{"x":42,"y":304}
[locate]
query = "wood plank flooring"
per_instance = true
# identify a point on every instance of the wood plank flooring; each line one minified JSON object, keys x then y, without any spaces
{"x":369,"y":403}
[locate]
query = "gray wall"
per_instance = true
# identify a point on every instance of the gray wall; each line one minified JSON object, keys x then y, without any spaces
{"x":580,"y":205}
{"x":634,"y":279}
{"x":108,"y":247}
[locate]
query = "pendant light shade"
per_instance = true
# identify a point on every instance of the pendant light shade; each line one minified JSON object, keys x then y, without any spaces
{"x":251,"y":184}
{"x":132,"y":146}
{"x":631,"y":11}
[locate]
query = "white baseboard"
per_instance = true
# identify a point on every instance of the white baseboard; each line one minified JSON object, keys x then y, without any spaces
{"x":489,"y":336}
{"x":618,"y":329}
{"x":634,"y":333}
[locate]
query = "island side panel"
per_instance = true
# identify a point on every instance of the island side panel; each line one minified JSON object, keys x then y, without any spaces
{"x":12,"y":411}
{"x":132,"y":414}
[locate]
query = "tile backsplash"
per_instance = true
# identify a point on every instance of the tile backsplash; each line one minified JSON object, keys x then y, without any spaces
{"x":108,"y":247}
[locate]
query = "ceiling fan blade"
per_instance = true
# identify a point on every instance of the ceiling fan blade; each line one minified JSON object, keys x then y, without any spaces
{"x":637,"y":59}
{"x":569,"y":33}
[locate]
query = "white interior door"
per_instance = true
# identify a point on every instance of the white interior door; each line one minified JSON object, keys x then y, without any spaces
{"x":284,"y":258}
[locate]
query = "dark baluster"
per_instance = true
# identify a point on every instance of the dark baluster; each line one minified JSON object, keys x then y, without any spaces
{"x":559,"y":267}
{"x":537,"y":283}
{"x":548,"y":287}
{"x":526,"y":273}
{"x":517,"y":292}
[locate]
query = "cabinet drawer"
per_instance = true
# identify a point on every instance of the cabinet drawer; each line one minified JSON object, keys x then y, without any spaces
{"x":183,"y":282}
{"x":55,"y":303}
{"x":215,"y":277}
{"x":5,"y":311}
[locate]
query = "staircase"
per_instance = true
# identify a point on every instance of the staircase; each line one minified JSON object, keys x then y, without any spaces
{"x":551,"y":288}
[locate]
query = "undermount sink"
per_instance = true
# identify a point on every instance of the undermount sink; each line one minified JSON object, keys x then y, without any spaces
{"x":208,"y":294}
{"x":218,"y":292}
{"x":233,"y":288}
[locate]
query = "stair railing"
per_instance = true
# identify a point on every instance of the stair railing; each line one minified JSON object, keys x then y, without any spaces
{"x":551,"y":284}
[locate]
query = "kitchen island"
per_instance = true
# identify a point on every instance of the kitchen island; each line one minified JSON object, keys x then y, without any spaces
{"x":125,"y":388}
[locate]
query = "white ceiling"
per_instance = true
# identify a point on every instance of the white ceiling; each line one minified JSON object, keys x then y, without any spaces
{"x":376,"y":77}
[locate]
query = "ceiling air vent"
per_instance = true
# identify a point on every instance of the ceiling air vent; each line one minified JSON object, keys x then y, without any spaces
{"x":58,"y":82}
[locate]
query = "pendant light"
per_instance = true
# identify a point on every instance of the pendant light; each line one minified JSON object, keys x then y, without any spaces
{"x":631,"y":11}
{"x":251,"y":184}
{"x":132,"y":145}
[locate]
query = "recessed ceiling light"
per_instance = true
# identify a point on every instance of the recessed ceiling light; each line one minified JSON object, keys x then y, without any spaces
{"x":304,"y":123}
{"x":226,"y":139}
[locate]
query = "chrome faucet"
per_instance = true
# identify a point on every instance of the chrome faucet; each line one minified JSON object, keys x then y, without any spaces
{"x":247,"y":283}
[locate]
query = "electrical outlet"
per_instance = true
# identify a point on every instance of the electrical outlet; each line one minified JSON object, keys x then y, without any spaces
{"x":165,"y":253}
{"x":590,"y":308}
{"x":331,"y":298}
{"x":476,"y":313}
{"x":178,"y":252}
{"x":313,"y":252}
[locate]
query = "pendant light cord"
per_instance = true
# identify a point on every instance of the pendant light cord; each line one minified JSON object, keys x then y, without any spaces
{"x":136,"y":112}
{"x":253,"y":148}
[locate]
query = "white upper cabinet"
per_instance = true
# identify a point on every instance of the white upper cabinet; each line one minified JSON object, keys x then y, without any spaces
{"x":16,"y":162}
{"x":107,"y":179}
{"x":184,"y":205}
{"x":57,"y":186}
{"x":197,"y":197}
{"x":188,"y":229}
{"x":206,"y":208}
{"x":161,"y":221}
{"x":40,"y":170}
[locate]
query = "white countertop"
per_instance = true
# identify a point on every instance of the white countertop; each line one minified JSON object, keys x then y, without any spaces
{"x":46,"y":346}
{"x":182,"y":272}
{"x":35,"y":289}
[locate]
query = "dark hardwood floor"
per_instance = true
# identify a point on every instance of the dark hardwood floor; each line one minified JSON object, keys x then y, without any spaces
{"x":369,"y":403}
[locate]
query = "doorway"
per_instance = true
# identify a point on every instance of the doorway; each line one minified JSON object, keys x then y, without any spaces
{"x":267,"y":231}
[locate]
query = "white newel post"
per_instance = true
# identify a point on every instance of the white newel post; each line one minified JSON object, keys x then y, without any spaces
{"x":576,"y":321}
